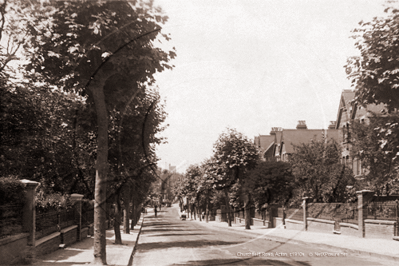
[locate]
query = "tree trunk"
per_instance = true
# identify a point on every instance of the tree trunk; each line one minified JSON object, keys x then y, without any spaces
{"x":207,"y":212}
{"x":200,"y":214}
{"x":228,"y":207}
{"x":133,"y":213}
{"x":126,"y":201}
{"x":101,"y":173}
{"x":247,"y":209}
{"x":117,"y":222}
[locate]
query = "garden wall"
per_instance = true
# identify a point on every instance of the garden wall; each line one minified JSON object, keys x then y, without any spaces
{"x":320,"y":225}
{"x":379,"y":229}
{"x":13,"y":248}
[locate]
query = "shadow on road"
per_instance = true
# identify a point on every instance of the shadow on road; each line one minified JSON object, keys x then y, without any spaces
{"x":163,"y":230}
{"x":246,"y":261}
{"x":180,"y":235}
{"x":182,"y":244}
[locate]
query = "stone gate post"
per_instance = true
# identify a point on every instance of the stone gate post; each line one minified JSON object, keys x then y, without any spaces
{"x":29,"y":210}
{"x":77,"y":201}
{"x":364,"y":197}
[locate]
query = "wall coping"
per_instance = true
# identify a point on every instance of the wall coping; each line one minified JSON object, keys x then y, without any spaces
{"x":12,"y":238}
{"x":293,"y":221}
{"x":354,"y":226}
{"x":257,"y":219}
{"x":370,"y":221}
{"x":320,"y":220}
{"x":46,"y":238}
{"x":67,"y":229}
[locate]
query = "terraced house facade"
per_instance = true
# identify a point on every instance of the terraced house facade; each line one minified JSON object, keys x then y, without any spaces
{"x":279,"y":144}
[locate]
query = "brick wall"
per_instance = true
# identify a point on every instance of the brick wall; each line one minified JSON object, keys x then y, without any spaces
{"x":84,"y":232}
{"x":320,"y":225}
{"x":69,"y":235}
{"x":257,"y":222}
{"x":278,"y":222}
{"x":349,"y":229}
{"x":13,"y":249}
{"x":48,"y":244}
{"x":379,"y":229}
{"x":293,"y":224}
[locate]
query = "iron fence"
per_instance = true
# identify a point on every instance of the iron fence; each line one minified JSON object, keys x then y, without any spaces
{"x":338,"y":212}
{"x":11,"y":219}
{"x":261,"y":214}
{"x":294,"y":214}
{"x":47,"y":223}
{"x":384,"y":210}
{"x":51,"y":221}
{"x":378,"y":210}
{"x":87,"y":217}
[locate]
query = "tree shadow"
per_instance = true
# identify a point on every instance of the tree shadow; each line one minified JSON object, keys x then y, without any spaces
{"x":179,"y":235}
{"x":160,"y":224}
{"x":182,"y":244}
{"x":246,"y":261}
{"x":164,"y":230}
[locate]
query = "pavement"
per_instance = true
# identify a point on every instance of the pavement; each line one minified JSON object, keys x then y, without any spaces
{"x":379,"y":248}
{"x":81,"y":253}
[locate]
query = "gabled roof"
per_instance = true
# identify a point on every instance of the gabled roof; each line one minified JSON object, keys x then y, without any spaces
{"x":297,"y":137}
{"x":345,"y":105}
{"x":264,"y":142}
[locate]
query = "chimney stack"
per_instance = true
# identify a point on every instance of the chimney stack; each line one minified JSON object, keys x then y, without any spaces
{"x":332,"y":125}
{"x":301,"y":125}
{"x":275,"y":129}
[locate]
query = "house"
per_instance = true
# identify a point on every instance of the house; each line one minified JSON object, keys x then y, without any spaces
{"x":348,"y":111}
{"x":280,"y":143}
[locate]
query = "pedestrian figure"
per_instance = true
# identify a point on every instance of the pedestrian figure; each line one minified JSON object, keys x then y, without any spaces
{"x":155,"y":211}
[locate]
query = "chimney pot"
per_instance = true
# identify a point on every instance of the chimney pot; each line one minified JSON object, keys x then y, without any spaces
{"x":301,"y":125}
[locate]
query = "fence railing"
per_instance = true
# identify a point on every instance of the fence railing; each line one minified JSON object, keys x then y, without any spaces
{"x":11,"y":219}
{"x":379,"y":210}
{"x":87,"y":217}
{"x":338,"y":212}
{"x":294,"y":214}
{"x":341,"y":212}
{"x":53,"y":221}
{"x":261,"y":214}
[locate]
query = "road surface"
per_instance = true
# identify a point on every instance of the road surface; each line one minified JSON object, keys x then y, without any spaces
{"x":166,"y":240}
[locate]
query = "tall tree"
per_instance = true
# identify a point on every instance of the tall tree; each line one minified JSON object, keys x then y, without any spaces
{"x":271,"y":182}
{"x":374,"y":73}
{"x":80,"y":48}
{"x":233,"y":155}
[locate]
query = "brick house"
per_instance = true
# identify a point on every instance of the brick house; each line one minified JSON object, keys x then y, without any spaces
{"x":347,"y":113}
{"x":280,"y":143}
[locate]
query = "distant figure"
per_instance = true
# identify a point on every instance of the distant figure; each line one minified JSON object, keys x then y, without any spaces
{"x":155,"y":210}
{"x":203,"y":215}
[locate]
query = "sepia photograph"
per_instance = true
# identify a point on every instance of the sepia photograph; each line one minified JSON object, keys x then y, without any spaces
{"x":199,"y":132}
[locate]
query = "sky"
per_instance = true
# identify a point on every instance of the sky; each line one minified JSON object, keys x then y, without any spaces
{"x":253,"y":65}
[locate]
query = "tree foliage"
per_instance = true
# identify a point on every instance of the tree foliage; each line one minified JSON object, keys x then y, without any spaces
{"x":83,"y":60}
{"x":233,"y":155}
{"x":270,"y":183}
{"x":319,"y":173}
{"x":374,"y":73}
{"x":375,"y":144}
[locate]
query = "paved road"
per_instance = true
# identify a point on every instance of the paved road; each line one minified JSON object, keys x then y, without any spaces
{"x":166,"y":240}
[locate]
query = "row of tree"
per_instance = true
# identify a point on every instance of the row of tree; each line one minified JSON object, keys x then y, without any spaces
{"x":236,"y":177}
{"x":80,"y":112}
